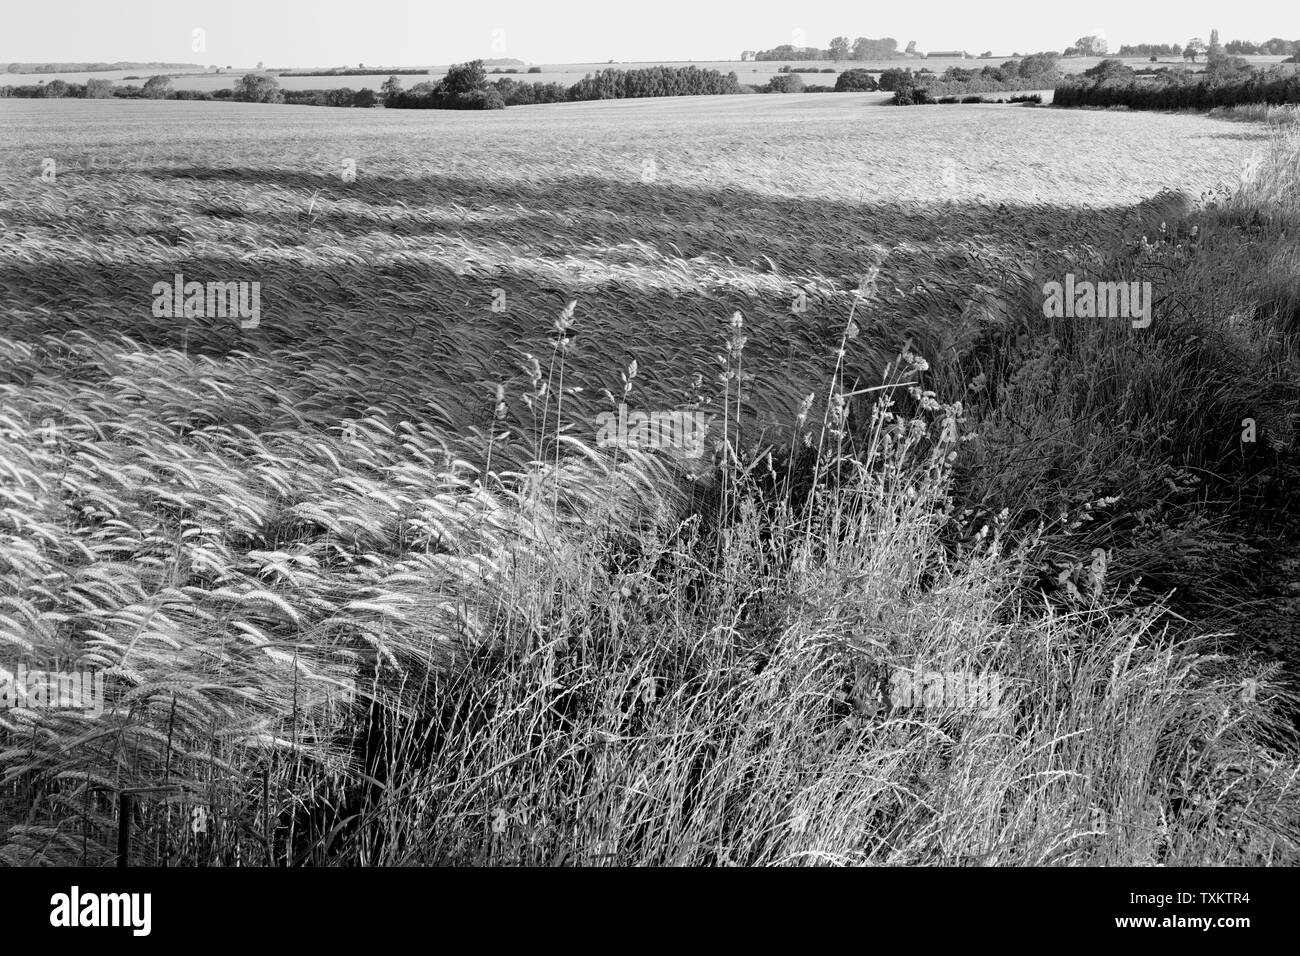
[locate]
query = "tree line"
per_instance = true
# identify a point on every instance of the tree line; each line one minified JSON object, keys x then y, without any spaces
{"x":1225,"y":83}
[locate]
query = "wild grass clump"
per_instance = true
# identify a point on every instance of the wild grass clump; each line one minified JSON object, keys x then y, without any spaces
{"x":1288,"y":115}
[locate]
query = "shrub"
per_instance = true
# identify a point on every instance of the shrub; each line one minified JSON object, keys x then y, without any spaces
{"x":856,"y":81}
{"x":1109,"y":69}
{"x":464,"y":78}
{"x":789,"y":83}
{"x":534,"y":69}
{"x":891,"y":79}
{"x":257,"y":88}
{"x":489,"y":99}
{"x":912,"y":96}
{"x":157,"y":87}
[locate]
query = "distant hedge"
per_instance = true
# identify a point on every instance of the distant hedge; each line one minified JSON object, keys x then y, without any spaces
{"x":1273,"y":87}
{"x":653,"y":81}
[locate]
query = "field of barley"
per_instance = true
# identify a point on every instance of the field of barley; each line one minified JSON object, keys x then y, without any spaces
{"x":367,"y":591}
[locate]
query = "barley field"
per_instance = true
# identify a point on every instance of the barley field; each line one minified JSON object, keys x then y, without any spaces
{"x":367,"y":590}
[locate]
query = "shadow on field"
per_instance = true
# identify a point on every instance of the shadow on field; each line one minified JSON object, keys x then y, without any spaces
{"x":797,"y":234}
{"x":413,"y":330}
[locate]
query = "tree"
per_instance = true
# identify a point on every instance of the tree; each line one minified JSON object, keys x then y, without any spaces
{"x":390,"y":89}
{"x":893,"y":80}
{"x":365,"y":98}
{"x":1039,"y":64}
{"x":786,"y":83}
{"x":856,"y":81}
{"x":157,"y":87}
{"x":907,"y":92}
{"x":258,"y":88}
{"x":1215,"y":49}
{"x":911,"y":48}
{"x":1194,"y":47}
{"x":55,"y":89}
{"x":1226,"y":68}
{"x":986,"y":55}
{"x":1091,"y":46}
{"x":98,"y":89}
{"x":1109,"y":69}
{"x":464,"y":78}
{"x":839,"y":48}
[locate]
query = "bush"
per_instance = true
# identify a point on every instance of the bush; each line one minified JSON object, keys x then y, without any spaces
{"x":972,"y":99}
{"x":912,"y":96}
{"x":891,"y":79}
{"x":856,"y":81}
{"x":257,"y":88}
{"x":1109,"y":69}
{"x":1227,"y":69}
{"x":788,"y":83}
{"x":489,"y":99}
{"x":534,"y":69}
{"x":464,"y":78}
{"x":157,"y":87}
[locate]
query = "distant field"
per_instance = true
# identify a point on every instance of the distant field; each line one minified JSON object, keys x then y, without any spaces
{"x":648,"y":212}
{"x":567,"y":73}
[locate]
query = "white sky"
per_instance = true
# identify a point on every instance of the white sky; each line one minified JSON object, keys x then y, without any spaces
{"x":421,"y":32}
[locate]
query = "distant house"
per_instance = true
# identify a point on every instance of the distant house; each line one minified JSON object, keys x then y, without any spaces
{"x":948,"y":55}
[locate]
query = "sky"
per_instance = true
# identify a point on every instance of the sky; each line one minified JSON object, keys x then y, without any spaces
{"x":300,"y":33}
